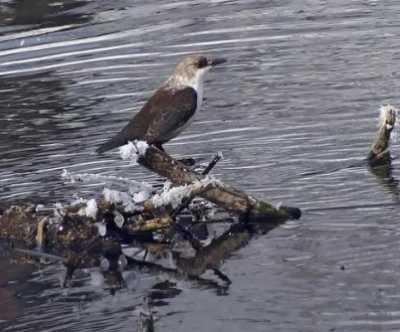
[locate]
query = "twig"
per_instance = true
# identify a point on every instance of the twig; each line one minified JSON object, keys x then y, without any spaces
{"x":213,"y":162}
{"x":186,"y":202}
{"x":223,"y":195}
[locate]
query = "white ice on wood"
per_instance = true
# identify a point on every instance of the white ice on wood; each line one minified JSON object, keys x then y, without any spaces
{"x":119,"y":197}
{"x":39,"y":207}
{"x":102,"y":228}
{"x":78,"y":201}
{"x":174,"y":196}
{"x":59,"y":211}
{"x":385,"y":114}
{"x":90,"y":210}
{"x":141,"y":196}
{"x":278,"y":205}
{"x":132,"y":150}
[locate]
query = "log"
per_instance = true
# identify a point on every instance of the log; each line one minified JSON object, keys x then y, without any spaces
{"x":227,"y":197}
{"x":90,"y":234}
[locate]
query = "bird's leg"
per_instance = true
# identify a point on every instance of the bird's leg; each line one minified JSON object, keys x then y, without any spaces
{"x":159,"y":146}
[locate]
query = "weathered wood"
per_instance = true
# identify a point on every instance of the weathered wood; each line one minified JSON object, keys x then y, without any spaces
{"x":76,"y":238}
{"x":225,"y":196}
{"x":80,"y":232}
{"x":379,"y":152}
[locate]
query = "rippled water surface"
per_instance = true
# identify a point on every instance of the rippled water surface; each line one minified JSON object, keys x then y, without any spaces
{"x":300,"y":94}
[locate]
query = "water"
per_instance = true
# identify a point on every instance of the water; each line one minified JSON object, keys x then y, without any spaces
{"x":300,"y":94}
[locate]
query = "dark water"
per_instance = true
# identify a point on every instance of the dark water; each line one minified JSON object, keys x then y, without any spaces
{"x":300,"y":93}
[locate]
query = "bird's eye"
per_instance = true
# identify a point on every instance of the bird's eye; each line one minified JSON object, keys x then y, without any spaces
{"x":202,"y":62}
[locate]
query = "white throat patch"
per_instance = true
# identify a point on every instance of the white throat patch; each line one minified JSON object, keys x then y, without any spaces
{"x":197,"y":83}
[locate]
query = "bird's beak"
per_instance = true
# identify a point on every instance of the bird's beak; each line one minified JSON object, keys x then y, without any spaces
{"x":215,"y":61}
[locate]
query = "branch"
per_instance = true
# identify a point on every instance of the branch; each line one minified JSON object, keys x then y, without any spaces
{"x":227,"y":197}
{"x":379,"y":152}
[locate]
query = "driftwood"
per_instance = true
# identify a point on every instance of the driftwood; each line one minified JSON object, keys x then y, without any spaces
{"x":85,"y":239}
{"x":379,"y":157}
{"x":227,"y":197}
{"x":379,"y":152}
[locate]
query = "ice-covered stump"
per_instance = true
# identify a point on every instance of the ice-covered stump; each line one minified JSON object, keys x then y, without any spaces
{"x":227,"y":197}
{"x":379,"y":152}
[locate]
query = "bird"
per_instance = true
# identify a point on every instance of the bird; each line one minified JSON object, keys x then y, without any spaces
{"x":171,"y":108}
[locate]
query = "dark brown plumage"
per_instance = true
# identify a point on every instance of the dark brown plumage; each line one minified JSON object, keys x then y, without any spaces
{"x":157,"y":122}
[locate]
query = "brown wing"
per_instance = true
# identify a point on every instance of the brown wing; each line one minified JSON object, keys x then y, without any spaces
{"x":174,"y":111}
{"x":163,"y":113}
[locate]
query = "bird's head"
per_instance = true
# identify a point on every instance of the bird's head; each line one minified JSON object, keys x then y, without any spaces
{"x":190,"y":71}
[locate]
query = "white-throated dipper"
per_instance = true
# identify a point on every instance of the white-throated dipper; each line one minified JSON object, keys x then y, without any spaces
{"x":171,"y":108}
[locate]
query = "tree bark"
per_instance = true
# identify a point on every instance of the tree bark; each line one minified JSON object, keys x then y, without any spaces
{"x":379,"y":152}
{"x":227,"y":197}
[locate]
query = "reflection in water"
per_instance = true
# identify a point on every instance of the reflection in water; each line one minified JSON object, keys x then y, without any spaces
{"x":43,"y":13}
{"x":12,"y":282}
{"x":384,"y":174}
{"x":42,"y":114}
{"x":38,"y":122}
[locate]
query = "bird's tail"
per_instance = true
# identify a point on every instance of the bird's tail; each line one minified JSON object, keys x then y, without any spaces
{"x":111,"y":144}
